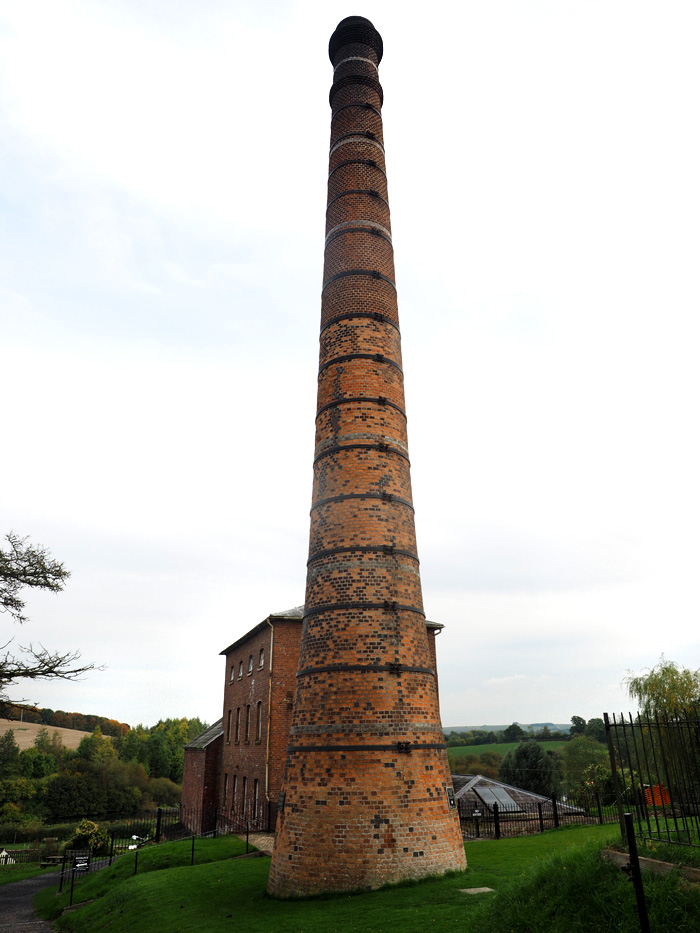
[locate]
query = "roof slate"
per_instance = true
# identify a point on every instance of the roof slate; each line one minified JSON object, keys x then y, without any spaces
{"x":208,"y":736}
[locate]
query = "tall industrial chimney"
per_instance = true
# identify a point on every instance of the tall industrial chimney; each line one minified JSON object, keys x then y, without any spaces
{"x":367,"y":795}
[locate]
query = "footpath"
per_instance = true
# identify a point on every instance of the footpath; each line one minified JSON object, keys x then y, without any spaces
{"x":17,"y":908}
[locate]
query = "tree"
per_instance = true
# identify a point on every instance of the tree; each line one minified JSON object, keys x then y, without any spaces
{"x":579,"y":754}
{"x":489,"y":764}
{"x":514,"y":733}
{"x":595,"y":729}
{"x":24,"y":566}
{"x":665,"y":689}
{"x":9,"y":754}
{"x":578,"y":725}
{"x":532,"y":768}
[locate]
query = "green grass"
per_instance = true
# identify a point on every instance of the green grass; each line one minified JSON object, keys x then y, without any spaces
{"x":580,"y":892}
{"x":667,"y":852}
{"x":10,"y":873}
{"x":214,"y":895}
{"x":554,"y":882}
{"x":458,"y":751}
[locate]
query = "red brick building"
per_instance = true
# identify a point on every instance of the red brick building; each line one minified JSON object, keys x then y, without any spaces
{"x":200,"y":780}
{"x":234,"y":769}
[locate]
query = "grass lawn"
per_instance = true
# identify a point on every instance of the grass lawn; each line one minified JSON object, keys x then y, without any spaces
{"x":458,"y":751}
{"x":220,"y":890}
{"x":10,"y":873}
{"x":553,"y":882}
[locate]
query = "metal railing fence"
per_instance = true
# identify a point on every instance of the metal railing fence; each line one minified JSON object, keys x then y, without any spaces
{"x":532,"y":817}
{"x":655,"y":763}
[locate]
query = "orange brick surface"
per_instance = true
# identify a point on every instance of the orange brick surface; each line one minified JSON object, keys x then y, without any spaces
{"x":366,"y":785}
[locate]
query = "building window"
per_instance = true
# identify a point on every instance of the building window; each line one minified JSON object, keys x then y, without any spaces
{"x":240,"y":669}
{"x":228,"y":727}
{"x":238,"y":725}
{"x":233,"y":674}
{"x":225,"y":788}
{"x":250,"y":664}
{"x":244,"y":796}
{"x":255,"y":799}
{"x":258,"y":722}
{"x":247,"y":723}
{"x":235,"y":792}
{"x":262,"y":657}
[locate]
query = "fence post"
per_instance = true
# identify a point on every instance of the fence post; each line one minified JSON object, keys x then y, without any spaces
{"x":496,"y":822}
{"x":539,"y":813}
{"x":246,"y":836}
{"x":63,"y":871}
{"x":555,"y":811}
{"x":158,"y":821}
{"x":614,"y":775}
{"x":192,"y":856}
{"x":136,"y":861}
{"x":635,"y":874}
{"x":111,"y":847}
{"x":600,"y":809}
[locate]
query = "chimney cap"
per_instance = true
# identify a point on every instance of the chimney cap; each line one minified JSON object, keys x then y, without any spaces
{"x":355,"y":29}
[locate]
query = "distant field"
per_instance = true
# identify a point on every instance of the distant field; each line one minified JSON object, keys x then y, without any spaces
{"x":26,"y":732}
{"x":458,"y":751}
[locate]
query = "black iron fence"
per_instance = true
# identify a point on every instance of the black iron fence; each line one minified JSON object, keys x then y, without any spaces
{"x":656,"y":767}
{"x":536,"y":816}
{"x":122,"y":834}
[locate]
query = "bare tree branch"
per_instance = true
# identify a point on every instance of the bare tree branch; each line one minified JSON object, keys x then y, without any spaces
{"x":23,"y":565}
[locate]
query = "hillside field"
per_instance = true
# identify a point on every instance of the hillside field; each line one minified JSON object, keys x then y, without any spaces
{"x":26,"y":732}
{"x":458,"y":751}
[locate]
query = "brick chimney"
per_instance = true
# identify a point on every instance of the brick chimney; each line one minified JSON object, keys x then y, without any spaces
{"x":367,"y":795}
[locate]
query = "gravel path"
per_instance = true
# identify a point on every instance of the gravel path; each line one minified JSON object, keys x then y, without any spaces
{"x":16,"y":907}
{"x":262,"y":841}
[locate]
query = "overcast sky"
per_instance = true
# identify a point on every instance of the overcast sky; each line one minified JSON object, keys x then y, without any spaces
{"x":163,"y":182}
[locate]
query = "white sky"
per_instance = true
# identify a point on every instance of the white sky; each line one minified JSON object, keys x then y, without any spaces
{"x":162,"y":199}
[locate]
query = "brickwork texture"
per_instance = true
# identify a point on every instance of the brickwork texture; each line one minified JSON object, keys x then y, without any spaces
{"x":365,"y":796}
{"x":257,"y":714}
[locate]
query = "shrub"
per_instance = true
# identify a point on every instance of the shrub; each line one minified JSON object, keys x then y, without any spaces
{"x":88,"y":835}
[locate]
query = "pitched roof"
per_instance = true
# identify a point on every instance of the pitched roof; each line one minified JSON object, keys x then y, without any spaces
{"x":467,"y":786}
{"x":296,"y":614}
{"x":208,"y":736}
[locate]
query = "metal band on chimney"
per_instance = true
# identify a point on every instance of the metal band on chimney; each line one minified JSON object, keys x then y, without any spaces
{"x":372,"y":273}
{"x":370,"y":192}
{"x":387,"y":550}
{"x":361,"y":398}
{"x":395,"y":747}
{"x":383,"y":497}
{"x":349,"y":357}
{"x":381,"y":447}
{"x":389,"y":605}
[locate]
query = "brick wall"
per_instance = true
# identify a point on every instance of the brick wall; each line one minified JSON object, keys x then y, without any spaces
{"x":200,"y":785}
{"x":367,"y":776}
{"x":259,"y":688}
